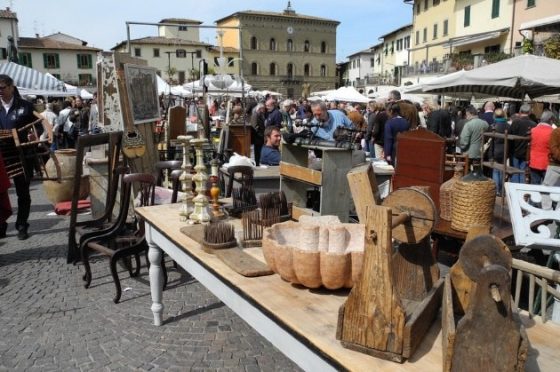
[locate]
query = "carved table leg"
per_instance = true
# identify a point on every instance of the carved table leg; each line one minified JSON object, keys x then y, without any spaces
{"x":156,"y":278}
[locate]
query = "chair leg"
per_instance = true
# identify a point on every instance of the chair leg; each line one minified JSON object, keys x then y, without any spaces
{"x":87,"y":275}
{"x":136,"y":271}
{"x":116,"y":279}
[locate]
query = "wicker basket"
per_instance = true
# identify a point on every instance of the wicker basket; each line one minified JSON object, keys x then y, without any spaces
{"x":474,"y":197}
{"x":446,"y":194}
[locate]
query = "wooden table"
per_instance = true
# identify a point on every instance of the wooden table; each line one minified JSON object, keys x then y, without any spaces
{"x":301,"y":323}
{"x":264,"y":179}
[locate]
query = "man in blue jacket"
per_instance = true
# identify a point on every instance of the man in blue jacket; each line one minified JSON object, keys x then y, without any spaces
{"x":16,"y":112}
{"x":270,"y":154}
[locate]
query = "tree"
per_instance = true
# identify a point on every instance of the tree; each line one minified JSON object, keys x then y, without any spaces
{"x":171,"y":73}
{"x":552,"y":47}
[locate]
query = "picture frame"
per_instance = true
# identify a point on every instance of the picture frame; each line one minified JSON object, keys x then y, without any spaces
{"x":141,"y":87}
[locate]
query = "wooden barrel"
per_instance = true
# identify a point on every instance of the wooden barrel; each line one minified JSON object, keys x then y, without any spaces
{"x":474,"y":197}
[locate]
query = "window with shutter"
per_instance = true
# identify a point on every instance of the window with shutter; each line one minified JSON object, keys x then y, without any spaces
{"x":495,"y":8}
{"x":467,"y":16}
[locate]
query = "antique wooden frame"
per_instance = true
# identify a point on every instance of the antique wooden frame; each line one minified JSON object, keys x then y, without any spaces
{"x":141,"y":86}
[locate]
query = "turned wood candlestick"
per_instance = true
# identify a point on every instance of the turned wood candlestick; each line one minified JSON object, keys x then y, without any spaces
{"x":200,"y":213}
{"x":217,"y":212}
{"x":186,"y":178}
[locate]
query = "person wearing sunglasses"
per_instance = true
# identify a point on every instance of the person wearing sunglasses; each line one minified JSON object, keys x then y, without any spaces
{"x":15,"y":112}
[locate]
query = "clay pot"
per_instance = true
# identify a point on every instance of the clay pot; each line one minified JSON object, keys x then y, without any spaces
{"x":315,"y":254}
{"x":62,"y":191}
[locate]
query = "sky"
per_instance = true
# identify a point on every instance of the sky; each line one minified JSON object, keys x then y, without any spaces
{"x":102,"y":23}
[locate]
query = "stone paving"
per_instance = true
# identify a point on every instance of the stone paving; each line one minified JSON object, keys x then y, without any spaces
{"x":50,"y":322}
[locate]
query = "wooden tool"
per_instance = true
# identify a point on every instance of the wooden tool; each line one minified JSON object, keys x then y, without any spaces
{"x":219,"y":235}
{"x":252,"y":228}
{"x":393,"y":303}
{"x":243,"y":199}
{"x":490,"y":336}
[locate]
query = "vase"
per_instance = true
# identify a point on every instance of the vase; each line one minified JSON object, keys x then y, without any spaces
{"x":62,"y":189}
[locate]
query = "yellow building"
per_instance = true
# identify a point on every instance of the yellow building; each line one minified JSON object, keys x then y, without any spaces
{"x":395,"y":56}
{"x":482,"y":28}
{"x":433,"y":26}
{"x":285,"y":52}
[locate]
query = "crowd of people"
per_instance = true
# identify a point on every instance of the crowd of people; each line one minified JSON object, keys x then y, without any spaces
{"x":375,"y":128}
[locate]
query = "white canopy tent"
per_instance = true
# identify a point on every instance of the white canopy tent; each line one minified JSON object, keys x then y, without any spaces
{"x":219,"y":85}
{"x":347,"y":94}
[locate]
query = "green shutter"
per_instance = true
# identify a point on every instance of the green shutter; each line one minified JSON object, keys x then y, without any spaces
{"x":56,"y":61}
{"x":89,"y":61}
{"x":530,"y":3}
{"x":467,"y":20}
{"x":45,"y":60}
{"x":78,"y":60}
{"x":495,"y":8}
{"x":29,"y":61}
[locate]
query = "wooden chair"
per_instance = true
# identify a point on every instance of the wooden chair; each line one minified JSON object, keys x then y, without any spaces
{"x":123,"y":239}
{"x":79,"y":228}
{"x":164,"y":168}
{"x":243,"y":174}
{"x":451,"y":160}
{"x":176,"y":184}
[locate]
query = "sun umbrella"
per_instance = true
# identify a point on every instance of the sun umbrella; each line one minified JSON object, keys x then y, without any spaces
{"x":515,"y":77}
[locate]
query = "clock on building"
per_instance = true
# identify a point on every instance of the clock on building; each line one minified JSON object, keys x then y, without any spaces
{"x":290,"y":30}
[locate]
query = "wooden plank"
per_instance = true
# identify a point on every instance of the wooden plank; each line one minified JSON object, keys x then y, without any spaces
{"x":373,"y":315}
{"x":447,"y":324}
{"x":297,"y":212}
{"x":311,"y":316}
{"x":363,"y":187}
{"x":491,"y":324}
{"x":421,"y":319}
{"x":300,"y":173}
{"x":335,"y":192}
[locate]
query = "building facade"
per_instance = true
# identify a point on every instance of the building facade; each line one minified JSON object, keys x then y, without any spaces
{"x":395,"y":56}
{"x":360,"y":66}
{"x":176,"y":53}
{"x":286,"y":52}
{"x":534,"y":23}
{"x":8,"y":28}
{"x":433,"y":26}
{"x":70,"y":62}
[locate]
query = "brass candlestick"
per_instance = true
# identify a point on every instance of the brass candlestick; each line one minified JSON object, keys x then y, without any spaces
{"x":217,"y":212}
{"x":200,"y":213}
{"x":186,"y":178}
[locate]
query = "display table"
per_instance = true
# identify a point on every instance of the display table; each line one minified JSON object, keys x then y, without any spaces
{"x":264,"y":179}
{"x":301,"y":323}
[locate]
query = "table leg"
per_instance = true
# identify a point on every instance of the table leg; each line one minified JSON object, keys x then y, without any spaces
{"x":156,"y":278}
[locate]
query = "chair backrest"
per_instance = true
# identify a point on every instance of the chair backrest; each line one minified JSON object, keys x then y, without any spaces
{"x":176,"y":183}
{"x":176,"y":120}
{"x":242,"y":174}
{"x":165,"y":165}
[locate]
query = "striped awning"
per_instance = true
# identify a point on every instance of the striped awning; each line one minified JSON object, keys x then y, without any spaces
{"x":28,"y":78}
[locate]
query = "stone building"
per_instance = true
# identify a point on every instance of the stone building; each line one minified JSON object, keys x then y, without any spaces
{"x":286,"y":52}
{"x":176,"y":52}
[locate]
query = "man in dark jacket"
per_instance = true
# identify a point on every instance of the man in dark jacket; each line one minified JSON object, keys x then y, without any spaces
{"x":16,"y":113}
{"x":521,"y":126}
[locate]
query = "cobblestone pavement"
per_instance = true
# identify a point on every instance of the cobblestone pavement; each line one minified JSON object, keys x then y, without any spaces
{"x":50,"y":322}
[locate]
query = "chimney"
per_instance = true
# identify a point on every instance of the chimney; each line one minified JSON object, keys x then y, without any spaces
{"x":37,"y":36}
